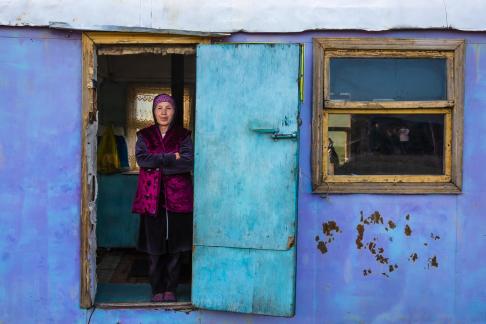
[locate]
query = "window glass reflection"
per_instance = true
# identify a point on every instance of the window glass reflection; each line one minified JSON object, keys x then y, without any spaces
{"x":388,"y":79}
{"x":386,"y":144}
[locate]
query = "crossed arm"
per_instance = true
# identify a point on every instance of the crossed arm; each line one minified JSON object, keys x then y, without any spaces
{"x":172,"y":163}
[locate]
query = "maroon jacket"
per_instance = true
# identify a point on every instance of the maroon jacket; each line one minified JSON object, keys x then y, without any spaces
{"x":157,"y":162}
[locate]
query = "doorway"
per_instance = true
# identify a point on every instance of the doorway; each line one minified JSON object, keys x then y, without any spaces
{"x":126,"y":86}
{"x":233,"y":272}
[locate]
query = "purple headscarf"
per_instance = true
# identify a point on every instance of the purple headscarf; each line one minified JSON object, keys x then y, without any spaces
{"x":163,"y":97}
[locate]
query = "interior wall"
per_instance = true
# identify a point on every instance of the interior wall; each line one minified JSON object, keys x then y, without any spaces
{"x":116,"y":73}
{"x":112,"y":103}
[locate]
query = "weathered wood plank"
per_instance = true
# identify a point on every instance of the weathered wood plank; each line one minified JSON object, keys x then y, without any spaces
{"x":386,"y":178}
{"x":458,"y":115}
{"x":144,"y":38}
{"x":317,"y":113}
{"x":387,"y":188}
{"x":337,"y":104}
{"x":182,"y":306}
{"x":389,"y":44}
{"x":442,"y":111}
{"x":87,"y":106}
{"x":140,"y":49}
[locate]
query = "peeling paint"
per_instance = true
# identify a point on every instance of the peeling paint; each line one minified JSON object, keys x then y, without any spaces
{"x":377,"y":250}
{"x":432,"y":262}
{"x":359,"y":239}
{"x":413,"y":257}
{"x":330,"y":226}
{"x":290,"y":242}
{"x":407,"y":230}
{"x":328,"y":229}
{"x":366,"y":272}
{"x":434,"y":237}
{"x":322,"y":247}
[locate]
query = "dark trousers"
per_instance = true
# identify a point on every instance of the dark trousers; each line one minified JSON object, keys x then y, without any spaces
{"x":164,"y":272}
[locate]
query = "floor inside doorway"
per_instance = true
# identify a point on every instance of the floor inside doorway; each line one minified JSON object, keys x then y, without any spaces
{"x":123,"y":277}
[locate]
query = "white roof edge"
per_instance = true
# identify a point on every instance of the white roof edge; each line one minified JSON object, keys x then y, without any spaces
{"x":62,"y":25}
{"x":270,"y":16}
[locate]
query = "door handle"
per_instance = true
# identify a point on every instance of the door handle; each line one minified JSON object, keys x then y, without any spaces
{"x":291,"y":136}
{"x":274,"y":133}
{"x":265,"y":130}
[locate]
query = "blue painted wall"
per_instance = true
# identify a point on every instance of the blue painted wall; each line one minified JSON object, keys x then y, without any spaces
{"x":40,"y":154}
{"x":40,"y":89}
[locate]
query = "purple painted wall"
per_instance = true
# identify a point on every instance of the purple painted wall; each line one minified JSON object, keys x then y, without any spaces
{"x":40,"y":151}
{"x":40,"y":88}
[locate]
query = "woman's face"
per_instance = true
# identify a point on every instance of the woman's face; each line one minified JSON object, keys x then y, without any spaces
{"x":164,"y":113}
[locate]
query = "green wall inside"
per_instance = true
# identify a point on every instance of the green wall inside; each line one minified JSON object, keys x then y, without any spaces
{"x":116,"y":225}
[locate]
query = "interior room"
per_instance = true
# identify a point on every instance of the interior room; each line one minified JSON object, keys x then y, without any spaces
{"x":128,"y":78}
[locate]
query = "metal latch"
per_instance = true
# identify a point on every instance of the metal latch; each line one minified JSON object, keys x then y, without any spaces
{"x":278,"y":136}
{"x":274,"y":133}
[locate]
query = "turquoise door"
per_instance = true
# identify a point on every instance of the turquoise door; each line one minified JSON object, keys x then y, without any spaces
{"x":245,"y":178}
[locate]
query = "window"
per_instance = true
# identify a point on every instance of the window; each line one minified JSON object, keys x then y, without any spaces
{"x":387,"y":116}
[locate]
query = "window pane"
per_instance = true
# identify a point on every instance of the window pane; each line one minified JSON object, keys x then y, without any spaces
{"x":391,"y":144}
{"x":388,"y":79}
{"x":143,"y":108}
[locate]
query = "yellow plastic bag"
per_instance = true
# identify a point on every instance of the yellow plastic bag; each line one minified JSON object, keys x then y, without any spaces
{"x":107,"y":159}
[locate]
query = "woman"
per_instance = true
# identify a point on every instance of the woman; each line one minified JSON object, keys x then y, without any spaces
{"x":164,"y":197}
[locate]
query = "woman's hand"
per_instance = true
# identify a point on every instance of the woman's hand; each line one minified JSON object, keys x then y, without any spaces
{"x":178,"y":156}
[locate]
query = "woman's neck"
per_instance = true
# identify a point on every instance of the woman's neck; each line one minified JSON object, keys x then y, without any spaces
{"x":163,"y":129}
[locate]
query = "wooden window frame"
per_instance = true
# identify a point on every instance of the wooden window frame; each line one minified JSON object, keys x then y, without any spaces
{"x":91,"y":41}
{"x":452,"y":50}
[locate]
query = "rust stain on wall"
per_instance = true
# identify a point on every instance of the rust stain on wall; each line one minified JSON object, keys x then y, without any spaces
{"x":359,"y":239}
{"x":329,"y":228}
{"x":408,"y":230}
{"x":432,"y":262}
{"x":290,"y":242}
{"x":392,"y":268}
{"x":375,"y":245}
{"x":413,"y":257}
{"x":322,"y":247}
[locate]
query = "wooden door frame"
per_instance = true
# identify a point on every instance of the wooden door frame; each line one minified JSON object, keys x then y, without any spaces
{"x":89,"y":41}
